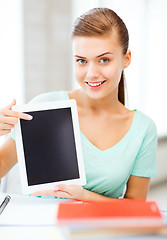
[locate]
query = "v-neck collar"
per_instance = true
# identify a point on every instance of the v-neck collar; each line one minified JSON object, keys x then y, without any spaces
{"x":115,"y":145}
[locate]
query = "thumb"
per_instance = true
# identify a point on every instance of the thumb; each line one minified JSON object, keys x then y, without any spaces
{"x":11,"y":104}
{"x":61,"y":187}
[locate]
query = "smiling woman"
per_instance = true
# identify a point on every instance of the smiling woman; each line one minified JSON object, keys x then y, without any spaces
{"x":96,"y":66}
{"x":119,"y":145}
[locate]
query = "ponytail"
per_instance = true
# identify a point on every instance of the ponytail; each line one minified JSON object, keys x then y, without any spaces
{"x":121,"y":89}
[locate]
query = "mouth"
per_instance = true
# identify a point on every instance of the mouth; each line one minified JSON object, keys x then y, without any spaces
{"x":95,"y":85}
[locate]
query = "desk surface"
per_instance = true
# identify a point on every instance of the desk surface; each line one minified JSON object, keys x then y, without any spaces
{"x":29,"y":211}
{"x":29,"y":232}
{"x":53,"y":233}
{"x":28,"y":218}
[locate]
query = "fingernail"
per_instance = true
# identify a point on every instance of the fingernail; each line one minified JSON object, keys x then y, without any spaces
{"x":56,"y":188}
{"x":30,"y":117}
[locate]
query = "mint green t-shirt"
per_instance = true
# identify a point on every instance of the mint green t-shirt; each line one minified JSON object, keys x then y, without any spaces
{"x":108,"y":171}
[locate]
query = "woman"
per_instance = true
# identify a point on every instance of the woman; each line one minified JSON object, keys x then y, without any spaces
{"x":119,"y":145}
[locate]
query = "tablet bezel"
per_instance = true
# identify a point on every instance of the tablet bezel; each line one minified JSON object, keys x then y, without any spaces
{"x":71,"y":103}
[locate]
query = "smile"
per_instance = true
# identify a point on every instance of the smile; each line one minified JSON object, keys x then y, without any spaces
{"x":95,"y":84}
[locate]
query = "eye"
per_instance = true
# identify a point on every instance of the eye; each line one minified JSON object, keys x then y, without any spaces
{"x":81,"y":61}
{"x":104,"y":60}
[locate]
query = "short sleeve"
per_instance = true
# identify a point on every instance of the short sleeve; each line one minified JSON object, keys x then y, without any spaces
{"x":145,"y":164}
{"x":50,"y":96}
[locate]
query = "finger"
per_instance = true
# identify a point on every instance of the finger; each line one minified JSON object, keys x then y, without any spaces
{"x":61,"y":187}
{"x":61,"y":194}
{"x":56,"y":188}
{"x":44,"y":193}
{"x":10,"y":120}
{"x":63,"y":190}
{"x":11,"y":104}
{"x":17,"y":114}
{"x":4,"y":132}
{"x":4,"y":126}
{"x":52,"y":193}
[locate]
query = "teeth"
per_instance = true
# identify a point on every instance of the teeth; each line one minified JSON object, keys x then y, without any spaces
{"x":95,"y":84}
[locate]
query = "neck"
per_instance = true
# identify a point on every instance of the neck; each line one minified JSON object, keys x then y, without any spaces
{"x":109,"y":103}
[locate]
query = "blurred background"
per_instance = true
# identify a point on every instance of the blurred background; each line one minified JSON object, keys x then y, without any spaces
{"x":36,"y":57}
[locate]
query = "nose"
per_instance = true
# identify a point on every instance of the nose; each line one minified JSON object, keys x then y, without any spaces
{"x":92,"y":71}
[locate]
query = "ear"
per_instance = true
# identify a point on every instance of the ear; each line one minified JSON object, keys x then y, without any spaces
{"x":127,"y":59}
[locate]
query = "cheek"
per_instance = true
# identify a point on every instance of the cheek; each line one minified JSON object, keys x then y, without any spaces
{"x":113,"y":73}
{"x":79,"y":73}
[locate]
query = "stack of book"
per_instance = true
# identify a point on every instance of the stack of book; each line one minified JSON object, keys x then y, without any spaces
{"x":110,"y":218}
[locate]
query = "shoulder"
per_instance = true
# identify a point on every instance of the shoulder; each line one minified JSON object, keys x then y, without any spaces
{"x":146,"y":138}
{"x":145,"y":125}
{"x":51,"y":96}
{"x":144,"y":120}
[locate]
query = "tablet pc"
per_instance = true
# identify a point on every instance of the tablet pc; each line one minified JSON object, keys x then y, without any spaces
{"x":49,"y":147}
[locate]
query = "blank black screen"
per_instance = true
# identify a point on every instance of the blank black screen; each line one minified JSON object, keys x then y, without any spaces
{"x":49,"y":146}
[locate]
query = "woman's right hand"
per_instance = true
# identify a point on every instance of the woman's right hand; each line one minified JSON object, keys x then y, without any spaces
{"x":8,"y":118}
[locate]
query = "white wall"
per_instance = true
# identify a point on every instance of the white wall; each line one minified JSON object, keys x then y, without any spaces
{"x":11,"y":53}
{"x":47,"y":37}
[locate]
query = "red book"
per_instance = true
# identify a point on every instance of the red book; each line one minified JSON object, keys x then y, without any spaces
{"x":115,"y":213}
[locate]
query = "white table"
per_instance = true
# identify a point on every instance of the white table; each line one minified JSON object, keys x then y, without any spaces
{"x":27,"y":217}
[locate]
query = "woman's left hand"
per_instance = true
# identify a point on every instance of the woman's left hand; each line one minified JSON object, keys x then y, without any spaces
{"x":63,"y":191}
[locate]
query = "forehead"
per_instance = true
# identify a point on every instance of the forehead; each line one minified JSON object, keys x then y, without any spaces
{"x":96,"y":45}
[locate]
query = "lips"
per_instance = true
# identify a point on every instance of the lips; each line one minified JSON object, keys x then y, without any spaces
{"x":95,"y":84}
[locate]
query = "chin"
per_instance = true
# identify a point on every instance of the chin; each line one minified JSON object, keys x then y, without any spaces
{"x":97,"y":95}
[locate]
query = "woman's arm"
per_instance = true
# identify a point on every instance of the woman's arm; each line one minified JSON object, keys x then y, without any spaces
{"x":8,"y":118}
{"x":8,"y":156}
{"x":137,"y":187}
{"x":72,"y":192}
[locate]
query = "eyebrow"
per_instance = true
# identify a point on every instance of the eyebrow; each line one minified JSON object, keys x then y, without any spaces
{"x":104,"y":54}
{"x":96,"y":57}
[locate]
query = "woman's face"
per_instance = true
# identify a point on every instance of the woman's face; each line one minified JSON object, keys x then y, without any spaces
{"x":98,"y":64}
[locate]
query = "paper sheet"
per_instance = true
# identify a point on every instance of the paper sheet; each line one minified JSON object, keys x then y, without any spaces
{"x":29,"y":232}
{"x":29,"y":211}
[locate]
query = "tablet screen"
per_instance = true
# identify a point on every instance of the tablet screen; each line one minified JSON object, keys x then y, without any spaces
{"x":49,"y":146}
